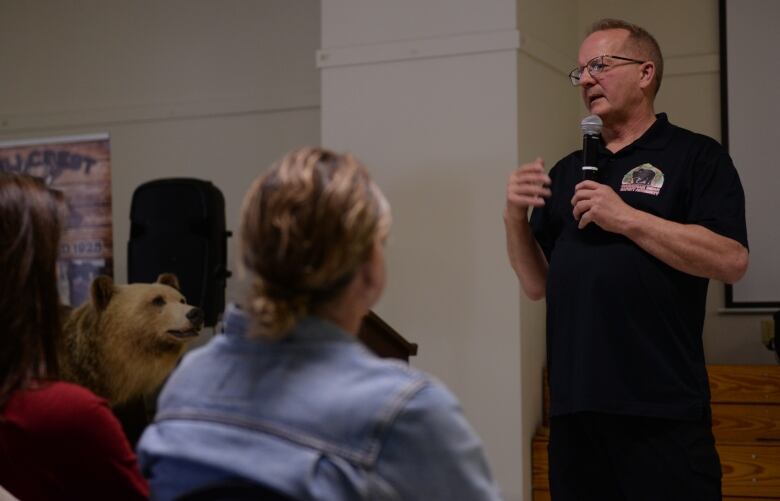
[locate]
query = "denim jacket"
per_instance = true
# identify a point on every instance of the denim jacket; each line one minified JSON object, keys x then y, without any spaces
{"x":315,"y":416}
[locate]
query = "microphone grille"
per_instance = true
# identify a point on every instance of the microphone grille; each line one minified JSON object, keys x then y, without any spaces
{"x":591,"y":125}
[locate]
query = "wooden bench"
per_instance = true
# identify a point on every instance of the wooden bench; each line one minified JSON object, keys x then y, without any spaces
{"x":746,"y":425}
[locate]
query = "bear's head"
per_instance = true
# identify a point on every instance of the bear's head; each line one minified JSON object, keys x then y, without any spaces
{"x":126,"y":339}
{"x":158,"y":310}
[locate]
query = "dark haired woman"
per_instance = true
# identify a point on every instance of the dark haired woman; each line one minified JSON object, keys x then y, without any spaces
{"x":57,"y":440}
{"x":288,"y":398}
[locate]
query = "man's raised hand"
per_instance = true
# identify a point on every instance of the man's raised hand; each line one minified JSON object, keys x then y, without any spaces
{"x":528,"y":186}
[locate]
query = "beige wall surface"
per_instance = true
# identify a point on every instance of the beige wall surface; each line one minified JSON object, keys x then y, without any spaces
{"x":184,"y":89}
{"x":87,"y":56}
{"x":347,"y":23}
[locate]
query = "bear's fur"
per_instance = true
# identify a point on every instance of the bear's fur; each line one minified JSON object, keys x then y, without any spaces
{"x":126,"y":339}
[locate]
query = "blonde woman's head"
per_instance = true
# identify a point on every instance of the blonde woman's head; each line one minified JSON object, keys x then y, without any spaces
{"x":307,"y":227}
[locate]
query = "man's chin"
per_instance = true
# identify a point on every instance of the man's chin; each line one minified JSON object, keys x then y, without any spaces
{"x":597,"y":107}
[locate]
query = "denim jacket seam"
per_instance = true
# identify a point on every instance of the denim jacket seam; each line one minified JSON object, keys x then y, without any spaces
{"x":365,"y":459}
{"x":389,"y":414}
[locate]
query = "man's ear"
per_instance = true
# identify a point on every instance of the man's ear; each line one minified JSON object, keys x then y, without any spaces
{"x":648,"y":74}
{"x":101,"y":291}
{"x":169,"y":279}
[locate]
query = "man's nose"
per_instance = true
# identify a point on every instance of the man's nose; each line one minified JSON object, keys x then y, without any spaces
{"x":586,"y":78}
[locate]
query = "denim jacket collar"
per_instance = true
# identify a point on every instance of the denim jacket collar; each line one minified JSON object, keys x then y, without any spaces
{"x":310,"y":328}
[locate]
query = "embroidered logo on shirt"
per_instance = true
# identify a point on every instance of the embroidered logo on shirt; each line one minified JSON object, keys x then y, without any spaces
{"x":643,"y":179}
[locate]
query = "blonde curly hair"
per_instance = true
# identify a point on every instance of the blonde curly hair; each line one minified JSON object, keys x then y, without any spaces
{"x":306,"y":227}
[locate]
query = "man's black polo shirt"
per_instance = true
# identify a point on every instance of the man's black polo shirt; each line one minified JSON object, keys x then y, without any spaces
{"x":624,"y":330}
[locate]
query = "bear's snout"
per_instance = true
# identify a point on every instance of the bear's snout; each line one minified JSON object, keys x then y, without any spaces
{"x":195,"y":316}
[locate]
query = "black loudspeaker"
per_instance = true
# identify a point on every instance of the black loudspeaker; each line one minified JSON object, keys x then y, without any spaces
{"x":178,"y":226}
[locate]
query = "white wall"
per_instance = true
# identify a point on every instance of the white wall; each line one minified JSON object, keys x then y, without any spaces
{"x":185,"y":88}
{"x":425,"y":93}
{"x":549,"y":115}
{"x":753,"y":135}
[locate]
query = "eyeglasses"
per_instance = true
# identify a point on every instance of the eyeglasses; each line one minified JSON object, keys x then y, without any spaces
{"x":597,"y":65}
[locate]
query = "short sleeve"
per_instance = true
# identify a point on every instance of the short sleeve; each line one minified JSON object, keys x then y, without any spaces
{"x":545,"y":226}
{"x":431,"y":451}
{"x":716,"y":199}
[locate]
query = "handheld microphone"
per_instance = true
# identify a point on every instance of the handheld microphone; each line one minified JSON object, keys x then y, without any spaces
{"x":591,"y":134}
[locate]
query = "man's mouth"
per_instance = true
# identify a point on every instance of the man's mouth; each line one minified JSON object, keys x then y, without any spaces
{"x":593,"y":98}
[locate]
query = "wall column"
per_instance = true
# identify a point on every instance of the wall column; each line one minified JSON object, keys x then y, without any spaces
{"x":425,"y":93}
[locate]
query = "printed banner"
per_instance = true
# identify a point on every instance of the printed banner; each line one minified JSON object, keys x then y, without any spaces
{"x":80,"y":167}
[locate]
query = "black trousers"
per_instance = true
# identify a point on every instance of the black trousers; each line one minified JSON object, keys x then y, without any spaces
{"x":605,"y":457}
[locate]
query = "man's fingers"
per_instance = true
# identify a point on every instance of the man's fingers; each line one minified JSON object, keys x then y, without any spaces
{"x":535,"y":166}
{"x":528,"y":185}
{"x":530,"y":191}
{"x":584,"y":193}
{"x":584,"y":221}
{"x":582,"y":214}
{"x":589,"y":185}
{"x":535,"y":180}
{"x":581,"y":208}
{"x":535,"y":176}
{"x":526,"y":200}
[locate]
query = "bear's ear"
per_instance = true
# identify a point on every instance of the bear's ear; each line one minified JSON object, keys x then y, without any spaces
{"x":102,"y":290}
{"x":168,"y":279}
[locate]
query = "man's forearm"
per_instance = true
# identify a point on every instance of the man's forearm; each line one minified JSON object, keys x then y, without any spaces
{"x":525,"y":256}
{"x":689,"y":248}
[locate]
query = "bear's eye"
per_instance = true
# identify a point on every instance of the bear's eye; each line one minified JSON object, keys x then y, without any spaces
{"x":158,"y":301}
{"x":183,"y":301}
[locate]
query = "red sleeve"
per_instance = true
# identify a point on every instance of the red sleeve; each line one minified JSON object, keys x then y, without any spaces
{"x":82,"y":442}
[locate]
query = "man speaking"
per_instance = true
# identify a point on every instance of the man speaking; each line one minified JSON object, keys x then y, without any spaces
{"x":624,"y":258}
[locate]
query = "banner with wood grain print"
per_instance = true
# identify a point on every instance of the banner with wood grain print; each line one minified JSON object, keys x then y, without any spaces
{"x":79,"y":167}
